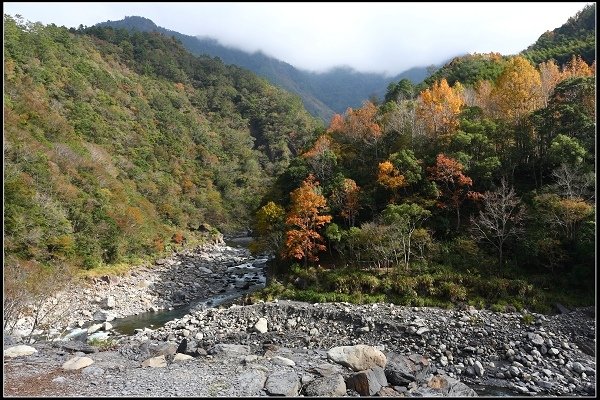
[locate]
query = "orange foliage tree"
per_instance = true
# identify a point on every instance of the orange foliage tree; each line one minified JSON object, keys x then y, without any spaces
{"x":303,"y":240}
{"x":454,"y":184}
{"x":390,"y":177}
{"x":518,"y":90}
{"x":438,"y":108}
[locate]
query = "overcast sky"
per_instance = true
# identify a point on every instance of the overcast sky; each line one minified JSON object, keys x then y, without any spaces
{"x":370,"y":37}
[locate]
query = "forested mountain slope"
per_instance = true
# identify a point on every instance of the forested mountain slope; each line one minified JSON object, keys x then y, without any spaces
{"x":116,"y":143}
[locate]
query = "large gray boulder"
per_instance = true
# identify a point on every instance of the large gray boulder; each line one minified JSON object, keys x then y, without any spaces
{"x":250,"y":382}
{"x":327,"y":386}
{"x":359,"y":357}
{"x":367,"y":382}
{"x":401,"y":370}
{"x":284,"y":383}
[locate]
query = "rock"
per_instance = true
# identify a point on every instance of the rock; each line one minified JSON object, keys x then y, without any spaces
{"x":109,"y":302}
{"x":229,"y":350}
{"x":98,"y":336}
{"x":107,"y":326}
{"x":442,"y":385}
{"x":94,"y":328}
{"x":75,"y":346}
{"x":389,"y":392}
{"x":182,"y":348}
{"x":367,"y":382}
{"x":359,"y":357}
{"x":478,"y":368}
{"x":166,"y":349}
{"x":250,"y":382}
{"x":577,"y":367}
{"x":327,"y":369}
{"x":76,"y":363}
{"x":19,"y":351}
{"x":59,"y":380}
{"x":261,"y":325}
{"x":422,"y":330}
{"x":327,"y":386}
{"x":514,"y":371}
{"x":536,"y":339}
{"x":103,"y":315}
{"x":155,"y":362}
{"x":205,"y":270}
{"x":278,"y":360}
{"x":401,"y":370}
{"x":284,"y":383}
{"x":78,"y":334}
{"x":553,"y":351}
{"x":179,"y":357}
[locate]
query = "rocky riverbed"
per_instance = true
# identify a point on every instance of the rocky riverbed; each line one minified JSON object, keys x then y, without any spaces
{"x":291,"y":348}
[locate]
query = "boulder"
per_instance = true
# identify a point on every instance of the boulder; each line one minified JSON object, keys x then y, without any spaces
{"x":103,"y":315}
{"x":109,"y":302}
{"x":359,"y":357}
{"x":278,"y":360}
{"x":75,"y":346}
{"x":250,"y":382}
{"x":327,"y":386}
{"x":367,"y":382}
{"x":76,"y":363}
{"x":401,"y":370}
{"x":19,"y":351}
{"x":155,"y":362}
{"x":179,"y":357}
{"x":261,"y":325}
{"x":283,"y":383}
{"x":442,"y":385}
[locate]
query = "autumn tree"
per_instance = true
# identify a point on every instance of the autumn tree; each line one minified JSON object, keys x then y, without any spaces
{"x":345,"y":198}
{"x":500,"y":219}
{"x":321,"y":158}
{"x":550,"y":76}
{"x":576,"y":67}
{"x":269,"y":224}
{"x":438,"y":109}
{"x":448,"y":173}
{"x":304,"y":219}
{"x":518,"y":91}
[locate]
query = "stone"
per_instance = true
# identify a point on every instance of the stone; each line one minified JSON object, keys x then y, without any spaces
{"x":205,"y":270}
{"x":250,"y":382}
{"x":19,"y":351}
{"x":536,"y":339}
{"x":59,"y":380}
{"x":327,"y":369}
{"x":553,"y":351}
{"x":155,"y":362}
{"x":94,"y":328}
{"x":182,"y":348}
{"x":179,"y":357}
{"x":284,"y":383}
{"x":75,"y":346}
{"x":109,"y":302}
{"x":422,"y":330}
{"x":278,"y":360}
{"x":367,"y":382}
{"x":401,"y":370}
{"x":103,"y":315}
{"x":78,"y":334}
{"x":229,"y":350}
{"x":442,"y":385}
{"x":98,"y":336}
{"x":76,"y":363}
{"x":165,"y":349}
{"x":478,"y":368}
{"x":577,"y":367}
{"x":326,"y":386}
{"x":261,"y":325}
{"x":389,"y":392}
{"x":359,"y":357}
{"x":107,"y":326}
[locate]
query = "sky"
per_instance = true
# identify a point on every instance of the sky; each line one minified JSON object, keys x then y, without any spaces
{"x":369,"y":37}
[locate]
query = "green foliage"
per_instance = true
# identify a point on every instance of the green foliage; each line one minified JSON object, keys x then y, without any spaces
{"x":469,"y":69}
{"x":576,"y":36}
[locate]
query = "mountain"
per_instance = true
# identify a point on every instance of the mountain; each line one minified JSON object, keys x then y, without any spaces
{"x":118,"y":145}
{"x":575,"y":37}
{"x":323,"y":94}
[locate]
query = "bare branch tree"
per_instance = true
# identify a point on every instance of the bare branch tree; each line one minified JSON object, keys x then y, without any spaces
{"x":573,"y":183}
{"x":500,"y":219}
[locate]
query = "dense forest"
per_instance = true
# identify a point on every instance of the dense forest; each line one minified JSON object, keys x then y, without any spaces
{"x":477,"y":186}
{"x":117,"y":145}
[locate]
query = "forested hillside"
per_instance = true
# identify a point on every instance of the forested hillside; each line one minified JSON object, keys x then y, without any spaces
{"x":117,"y":145}
{"x":480,"y":191}
{"x":576,"y":37}
{"x":323,"y":94}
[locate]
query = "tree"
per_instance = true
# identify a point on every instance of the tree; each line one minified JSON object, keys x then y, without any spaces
{"x":501,"y":218}
{"x":455,"y":185}
{"x":550,"y":76}
{"x":321,"y":158}
{"x":345,"y":197}
{"x":439,"y":107}
{"x":518,"y":91}
{"x":404,"y":219}
{"x":304,"y":218}
{"x":270,"y":226}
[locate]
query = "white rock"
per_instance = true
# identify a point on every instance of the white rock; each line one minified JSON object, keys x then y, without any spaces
{"x":261,"y":325}
{"x":107,"y":326}
{"x":278,"y":360}
{"x":155,"y":362}
{"x":182,"y":357}
{"x":94,"y":328}
{"x":359,"y":357}
{"x":77,"y":363}
{"x":18,"y":351}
